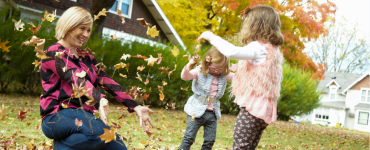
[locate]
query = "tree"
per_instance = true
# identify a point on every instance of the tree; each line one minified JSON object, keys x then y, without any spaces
{"x":298,"y":95}
{"x":301,"y":21}
{"x":97,"y":6}
{"x":341,"y":50}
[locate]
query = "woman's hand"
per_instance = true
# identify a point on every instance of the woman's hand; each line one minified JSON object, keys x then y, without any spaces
{"x":143,"y":113}
{"x":103,"y":110}
{"x":206,"y":35}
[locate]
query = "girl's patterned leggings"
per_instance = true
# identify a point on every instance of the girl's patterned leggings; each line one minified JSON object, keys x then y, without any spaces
{"x":247,"y":131}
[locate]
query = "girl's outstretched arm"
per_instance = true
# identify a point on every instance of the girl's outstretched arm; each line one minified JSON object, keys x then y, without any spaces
{"x":252,"y":51}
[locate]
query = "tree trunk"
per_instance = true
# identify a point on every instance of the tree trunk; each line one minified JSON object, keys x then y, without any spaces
{"x":97,"y":6}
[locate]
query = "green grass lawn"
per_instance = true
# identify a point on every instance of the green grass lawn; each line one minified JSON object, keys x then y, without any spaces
{"x":169,"y":129}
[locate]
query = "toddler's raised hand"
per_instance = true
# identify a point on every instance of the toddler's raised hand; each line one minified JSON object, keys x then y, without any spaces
{"x":206,"y":35}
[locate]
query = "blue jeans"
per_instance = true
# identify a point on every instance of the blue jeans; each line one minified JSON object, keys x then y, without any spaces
{"x":62,"y":128}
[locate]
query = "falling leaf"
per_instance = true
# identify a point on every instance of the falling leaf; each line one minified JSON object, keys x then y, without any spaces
{"x":120,"y":65}
{"x":32,"y":41}
{"x":145,"y":96}
{"x":192,"y":118}
{"x":115,"y":125}
{"x":164,"y":70}
{"x":164,"y":83}
{"x":77,"y":92}
{"x":139,"y":77}
{"x":123,"y":76}
{"x":2,"y":112}
{"x":169,"y":73}
{"x":29,"y":123}
{"x":127,"y":67}
{"x":101,"y":13}
{"x":46,"y":14}
{"x":187,"y":57}
{"x":78,"y":122}
{"x":152,"y":32}
{"x":39,"y":49}
{"x":159,"y":58}
{"x":101,"y":66}
{"x":108,"y":135}
{"x":64,"y":106}
{"x":82,"y":74}
{"x":141,"y":68}
{"x":36,"y":63}
{"x":143,"y":22}
{"x":148,"y":133}
{"x":160,"y":88}
{"x":175,"y":51}
{"x":88,"y":50}
{"x":140,"y":56}
{"x":91,"y":102}
{"x":125,"y":56}
{"x":96,"y":114}
{"x":121,"y":16}
{"x":52,"y":16}
{"x":113,"y":37}
{"x":18,"y":25}
{"x":172,"y":105}
{"x":21,"y":114}
{"x":146,"y":81}
{"x":185,"y":89}
{"x":33,"y":28}
{"x":5,"y":48}
{"x":161,"y":96}
{"x":59,"y":55}
{"x":151,"y":60}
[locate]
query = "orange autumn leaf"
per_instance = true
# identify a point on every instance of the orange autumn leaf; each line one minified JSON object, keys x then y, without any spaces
{"x":21,"y":114}
{"x":146,"y":81}
{"x":185,"y":89}
{"x":46,"y":14}
{"x":32,"y":41}
{"x":141,"y":68}
{"x":161,"y":96}
{"x":101,"y":13}
{"x":88,"y":50}
{"x":108,"y":135}
{"x":78,"y":122}
{"x":140,"y":56}
{"x":160,"y":88}
{"x":164,"y":70}
{"x":127,"y":67}
{"x":145,"y":96}
{"x":33,"y":28}
{"x":148,"y":133}
{"x":36,"y":63}
{"x":143,"y":22}
{"x":120,"y":15}
{"x":4,"y":47}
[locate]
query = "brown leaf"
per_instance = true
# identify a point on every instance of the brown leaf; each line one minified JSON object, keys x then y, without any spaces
{"x":146,"y":81}
{"x":101,"y":13}
{"x":21,"y":114}
{"x":34,"y":29}
{"x":164,"y":70}
{"x":159,"y":58}
{"x":141,"y":68}
{"x":91,"y":102}
{"x":88,"y":50}
{"x":160,"y":88}
{"x":127,"y":67}
{"x":139,"y":77}
{"x":145,"y":96}
{"x":143,"y":22}
{"x":140,"y":56}
{"x":185,"y":89}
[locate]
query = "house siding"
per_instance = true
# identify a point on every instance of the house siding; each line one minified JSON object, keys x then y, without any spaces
{"x":364,"y":83}
{"x":112,"y":21}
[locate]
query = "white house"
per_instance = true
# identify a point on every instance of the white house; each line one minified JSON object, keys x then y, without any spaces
{"x":345,"y":100}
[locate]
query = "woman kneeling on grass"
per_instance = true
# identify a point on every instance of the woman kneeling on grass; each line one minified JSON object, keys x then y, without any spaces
{"x":67,"y":66}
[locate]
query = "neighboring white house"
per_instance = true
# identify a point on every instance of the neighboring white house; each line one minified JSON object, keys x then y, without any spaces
{"x":345,"y":100}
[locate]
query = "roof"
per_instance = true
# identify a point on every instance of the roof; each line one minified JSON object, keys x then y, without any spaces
{"x":363,"y":105}
{"x":342,"y":79}
{"x":336,"y":104}
{"x":355,"y":82}
{"x":163,"y":22}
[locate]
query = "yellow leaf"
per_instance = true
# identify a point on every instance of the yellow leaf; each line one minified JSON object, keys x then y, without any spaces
{"x":46,"y":14}
{"x":160,"y":88}
{"x":113,"y":37}
{"x":120,"y":65}
{"x":91,"y":102}
{"x":29,"y":145}
{"x":139,"y":77}
{"x":59,"y":55}
{"x":127,"y":66}
{"x":151,"y":60}
{"x":161,"y":96}
{"x":192,"y":118}
{"x":5,"y":48}
{"x":120,"y":15}
{"x":101,"y":13}
{"x":36,"y":63}
{"x":123,"y":76}
{"x":96,"y":114}
{"x":51,"y":17}
{"x":152,"y":32}
{"x":64,"y":106}
{"x":82,"y":74}
{"x":164,"y":83}
{"x":175,"y":51}
{"x":18,"y":25}
{"x":108,"y":135}
{"x":185,"y":89}
{"x":141,"y":68}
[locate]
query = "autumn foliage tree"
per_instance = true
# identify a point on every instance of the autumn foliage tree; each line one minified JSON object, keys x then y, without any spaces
{"x":301,"y":21}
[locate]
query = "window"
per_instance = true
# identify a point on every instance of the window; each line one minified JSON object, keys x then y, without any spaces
{"x":322,"y":113}
{"x":124,"y":5}
{"x":333,"y":93}
{"x":363,"y":118}
{"x":365,"y":95}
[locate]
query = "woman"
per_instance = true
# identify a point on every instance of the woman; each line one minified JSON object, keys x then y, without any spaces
{"x":70,"y":77}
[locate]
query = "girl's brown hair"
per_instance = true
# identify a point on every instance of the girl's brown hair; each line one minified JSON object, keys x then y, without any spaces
{"x":216,"y":57}
{"x":261,"y":23}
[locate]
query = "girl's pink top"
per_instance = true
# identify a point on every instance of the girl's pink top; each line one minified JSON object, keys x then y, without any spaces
{"x":188,"y":74}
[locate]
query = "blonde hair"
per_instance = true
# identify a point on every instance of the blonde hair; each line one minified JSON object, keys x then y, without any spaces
{"x":71,"y":18}
{"x":261,"y":23}
{"x":216,"y":57}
